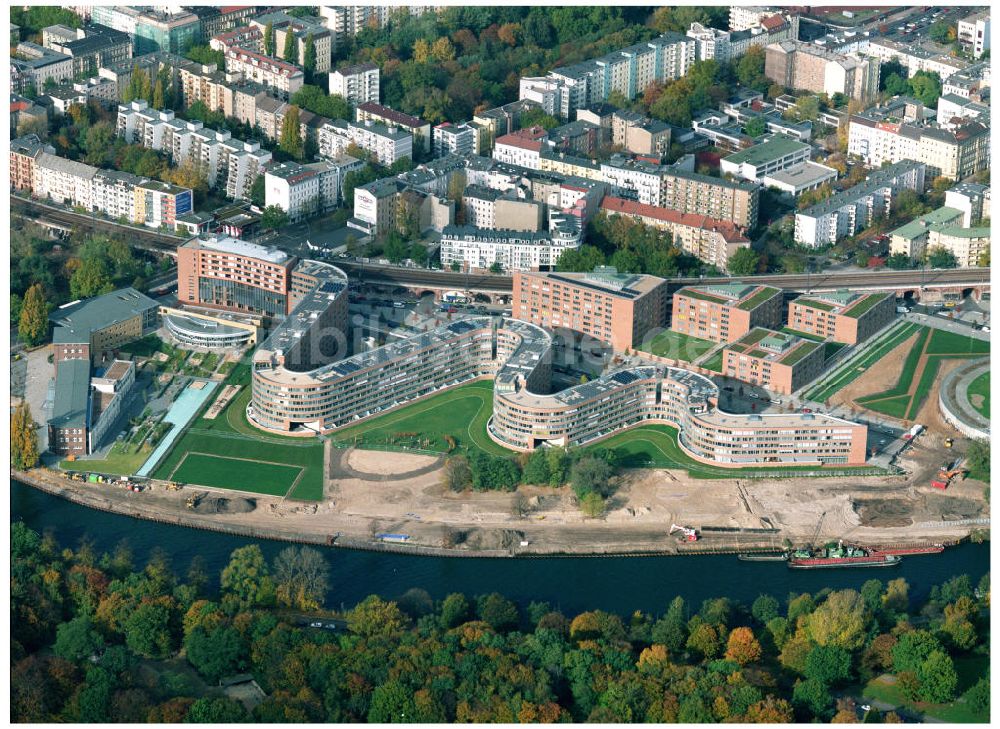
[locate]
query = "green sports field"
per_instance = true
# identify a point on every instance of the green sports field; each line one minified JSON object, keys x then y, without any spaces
{"x":227,"y":452}
{"x":215,"y":470}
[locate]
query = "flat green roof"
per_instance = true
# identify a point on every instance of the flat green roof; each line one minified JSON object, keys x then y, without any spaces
{"x":696,"y":294}
{"x":864,"y":305}
{"x":770,"y":150}
{"x":72,"y":397}
{"x":918,"y":226}
{"x":754,"y":335}
{"x":800,"y":352}
{"x":959,"y":232}
{"x":764,"y":294}
{"x":814,"y":304}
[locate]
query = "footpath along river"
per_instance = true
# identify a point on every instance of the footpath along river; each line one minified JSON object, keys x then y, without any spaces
{"x":573,"y":584}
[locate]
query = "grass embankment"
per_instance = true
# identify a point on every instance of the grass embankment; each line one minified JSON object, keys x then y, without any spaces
{"x":122,"y":460}
{"x":460,"y":413}
{"x":677,"y":345}
{"x":981,"y":387}
{"x":932,"y":347}
{"x":848,"y":372}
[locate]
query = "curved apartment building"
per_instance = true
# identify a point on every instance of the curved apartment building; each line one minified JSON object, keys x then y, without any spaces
{"x":517,"y":355}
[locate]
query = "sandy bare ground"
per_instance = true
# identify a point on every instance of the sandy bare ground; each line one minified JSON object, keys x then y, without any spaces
{"x":546,"y":520}
{"x":879,"y":377}
{"x":386,"y":462}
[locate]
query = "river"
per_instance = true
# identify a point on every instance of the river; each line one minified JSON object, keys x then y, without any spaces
{"x":572,"y":584}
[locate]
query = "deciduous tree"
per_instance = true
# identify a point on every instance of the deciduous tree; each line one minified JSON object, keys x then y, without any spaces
{"x":23,"y":438}
{"x":743,"y":647}
{"x":33,"y":323}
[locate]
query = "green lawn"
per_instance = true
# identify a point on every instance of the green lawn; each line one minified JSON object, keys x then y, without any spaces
{"x":895,"y":406}
{"x":121,"y":460}
{"x":848,"y":372}
{"x":213,"y":470}
{"x":678,"y":345}
{"x":955,"y":344}
{"x":969,"y":669}
{"x":461,"y":413}
{"x":981,"y":386}
{"x":941,"y":345}
{"x":714,"y":362}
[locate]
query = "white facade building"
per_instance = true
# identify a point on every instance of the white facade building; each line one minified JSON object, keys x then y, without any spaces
{"x":306,"y":190}
{"x":387,"y":144}
{"x":974,"y":33}
{"x":850,"y":211}
{"x":480,"y":249}
{"x":358,"y":84}
{"x":454,"y":139}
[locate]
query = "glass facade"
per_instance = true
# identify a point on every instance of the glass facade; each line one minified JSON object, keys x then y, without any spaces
{"x":240,"y":297}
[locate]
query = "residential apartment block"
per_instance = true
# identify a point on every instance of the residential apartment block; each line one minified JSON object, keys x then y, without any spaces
{"x":847,"y":212}
{"x":953,"y":153}
{"x":454,"y":139}
{"x":914,"y":58}
{"x":90,"y":48}
{"x":725,"y":46}
{"x":638,"y":134}
{"x":310,"y":189}
{"x":776,"y":361}
{"x":710,"y":240}
{"x":358,"y":84}
{"x":725,"y":312}
{"x":479,"y":249}
{"x":421,"y":130}
{"x":843,"y":316}
{"x":387,"y":144}
{"x":229,"y":164}
{"x":803,"y":66}
{"x":974,"y":33}
{"x":522,"y":148}
{"x":688,"y":192}
{"x":303,"y":29}
{"x":619,"y":309}
{"x":516,"y":355}
{"x":949,"y":228}
{"x":31,"y":66}
{"x":23,"y":153}
{"x":972,"y":199}
{"x":488,"y":208}
{"x":114,"y":194}
{"x":628,"y":71}
{"x":285,"y":78}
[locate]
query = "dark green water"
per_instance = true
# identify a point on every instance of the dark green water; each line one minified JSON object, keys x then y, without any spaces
{"x":574,"y":584}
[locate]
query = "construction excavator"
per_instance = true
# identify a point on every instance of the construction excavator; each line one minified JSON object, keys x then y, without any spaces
{"x":687,"y":533}
{"x":947,"y":473}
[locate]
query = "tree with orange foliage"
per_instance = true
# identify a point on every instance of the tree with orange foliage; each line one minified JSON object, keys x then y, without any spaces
{"x":743,"y":647}
{"x":770,"y":711}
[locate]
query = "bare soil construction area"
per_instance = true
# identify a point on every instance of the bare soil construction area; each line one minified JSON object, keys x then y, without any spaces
{"x":542,"y":520}
{"x":878,"y":378}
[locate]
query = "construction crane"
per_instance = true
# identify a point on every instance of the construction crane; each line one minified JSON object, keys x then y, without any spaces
{"x":815,"y":536}
{"x":690,"y":535}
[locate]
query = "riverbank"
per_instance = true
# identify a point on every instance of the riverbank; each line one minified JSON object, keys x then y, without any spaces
{"x":734,"y":515}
